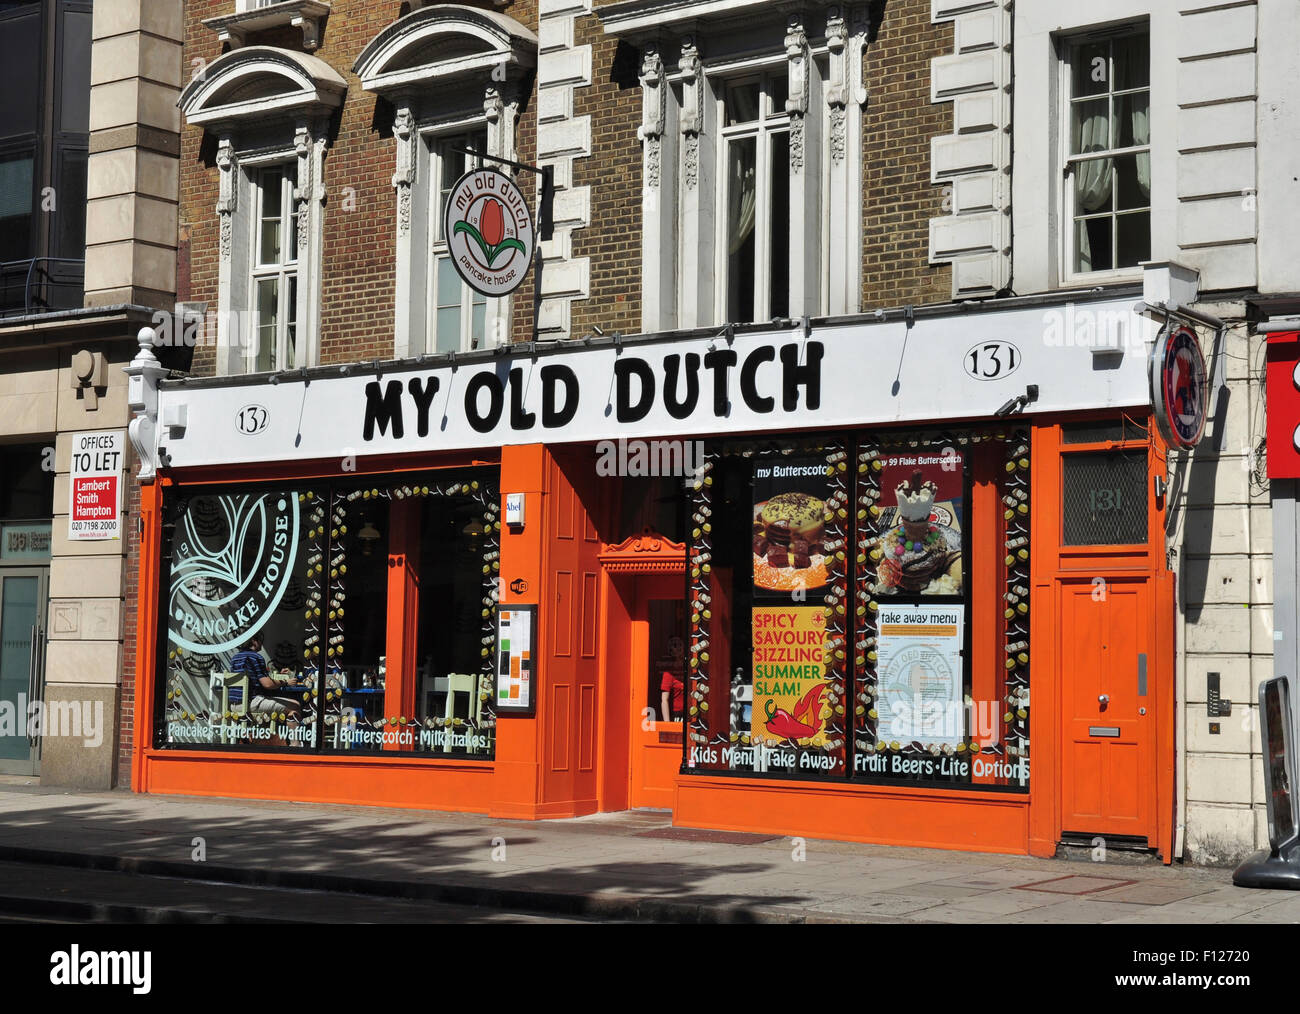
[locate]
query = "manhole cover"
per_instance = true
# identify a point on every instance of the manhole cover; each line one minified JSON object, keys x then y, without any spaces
{"x":700,"y":834}
{"x":1075,"y":884}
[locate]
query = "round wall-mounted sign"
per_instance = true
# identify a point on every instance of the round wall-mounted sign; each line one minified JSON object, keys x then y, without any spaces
{"x":1180,"y":390}
{"x":489,"y":231}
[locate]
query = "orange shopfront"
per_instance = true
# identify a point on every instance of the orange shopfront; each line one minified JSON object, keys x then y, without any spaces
{"x":930,"y":626}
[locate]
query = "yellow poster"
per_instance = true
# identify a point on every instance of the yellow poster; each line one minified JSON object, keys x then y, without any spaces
{"x":790,"y":683}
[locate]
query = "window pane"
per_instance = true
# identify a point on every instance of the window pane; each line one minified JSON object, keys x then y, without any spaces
{"x":1132,"y":182}
{"x":741,"y":207}
{"x":241,"y":608}
{"x":779,"y":262}
{"x":291,"y":324}
{"x":16,"y":207}
{"x":1132,"y":120}
{"x":741,"y":103}
{"x":478,"y":324}
{"x":1105,"y":498}
{"x":450,"y":286}
{"x":1132,"y":62}
{"x":268,"y":318}
{"x":70,"y":217}
{"x":291,"y":247}
{"x":1089,"y":126}
{"x":20,"y":72}
{"x":1090,"y":67}
{"x":1092,"y":244}
{"x":269,"y":241}
{"x":448,"y":334}
{"x":1133,"y":239}
{"x":779,"y":89}
{"x":74,"y":86}
{"x":454,"y":691}
{"x":357,"y":629}
{"x":1094,"y":181}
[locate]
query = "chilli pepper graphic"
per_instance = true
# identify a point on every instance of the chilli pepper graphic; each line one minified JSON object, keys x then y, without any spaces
{"x":795,"y":726}
{"x":490,"y":236}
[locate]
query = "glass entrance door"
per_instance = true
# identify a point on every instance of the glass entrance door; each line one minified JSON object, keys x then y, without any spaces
{"x":22,"y":665}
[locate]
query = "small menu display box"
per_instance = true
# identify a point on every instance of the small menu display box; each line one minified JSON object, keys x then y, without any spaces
{"x":516,"y":656}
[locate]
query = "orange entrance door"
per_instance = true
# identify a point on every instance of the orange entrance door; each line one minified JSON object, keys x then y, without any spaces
{"x":658,"y":623}
{"x":1108,"y":696}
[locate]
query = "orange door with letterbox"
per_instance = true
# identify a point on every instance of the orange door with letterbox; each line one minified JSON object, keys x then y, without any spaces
{"x":1108,"y":697}
{"x":658,"y":677}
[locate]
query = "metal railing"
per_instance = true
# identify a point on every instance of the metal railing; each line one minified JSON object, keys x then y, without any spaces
{"x":40,"y":284}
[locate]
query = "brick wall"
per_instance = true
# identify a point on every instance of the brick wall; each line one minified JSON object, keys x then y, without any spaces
{"x":613,"y":172}
{"x":898,"y":199}
{"x":130,"y":595}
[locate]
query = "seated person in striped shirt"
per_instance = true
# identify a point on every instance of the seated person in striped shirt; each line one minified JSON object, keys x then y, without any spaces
{"x":252,"y":663}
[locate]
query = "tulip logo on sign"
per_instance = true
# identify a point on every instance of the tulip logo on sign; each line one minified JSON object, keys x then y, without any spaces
{"x":489,"y":232}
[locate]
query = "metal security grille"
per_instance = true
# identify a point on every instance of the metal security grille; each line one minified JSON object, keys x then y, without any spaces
{"x":1100,"y":432}
{"x":1105,"y":498}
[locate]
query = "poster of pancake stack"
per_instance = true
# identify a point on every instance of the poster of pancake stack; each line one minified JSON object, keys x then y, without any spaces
{"x":789,"y":533}
{"x":923,"y":508}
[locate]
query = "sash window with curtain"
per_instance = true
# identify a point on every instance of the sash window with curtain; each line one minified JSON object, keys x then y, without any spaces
{"x":1108,"y":166}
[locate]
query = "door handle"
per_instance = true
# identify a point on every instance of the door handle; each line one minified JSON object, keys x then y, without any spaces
{"x":32,"y":652}
{"x":1103,"y":699}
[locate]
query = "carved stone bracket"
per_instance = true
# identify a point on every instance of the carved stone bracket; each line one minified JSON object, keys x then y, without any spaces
{"x":304,"y":191}
{"x":227,"y":191}
{"x":654,"y":100}
{"x":797,"y":55}
{"x":405,"y":169}
{"x":502,"y":115}
{"x":837,"y":84}
{"x":859,"y":32}
{"x":691,"y":117}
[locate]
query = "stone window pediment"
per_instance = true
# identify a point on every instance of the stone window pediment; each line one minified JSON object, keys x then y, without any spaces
{"x":444,"y":41}
{"x":256,"y":82}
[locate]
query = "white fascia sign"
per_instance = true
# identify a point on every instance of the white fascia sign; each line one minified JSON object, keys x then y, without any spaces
{"x":837,"y":376}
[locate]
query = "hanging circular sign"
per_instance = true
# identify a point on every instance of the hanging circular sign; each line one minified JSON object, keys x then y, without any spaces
{"x":1179,"y":387}
{"x":489,"y":232}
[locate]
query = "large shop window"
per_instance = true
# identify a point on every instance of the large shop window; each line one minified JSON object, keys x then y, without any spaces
{"x":285,"y":607}
{"x":859,"y":608}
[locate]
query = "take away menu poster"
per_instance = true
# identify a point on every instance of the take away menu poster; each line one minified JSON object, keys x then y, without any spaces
{"x":516,"y":658}
{"x":920,"y":674}
{"x":789,"y":675}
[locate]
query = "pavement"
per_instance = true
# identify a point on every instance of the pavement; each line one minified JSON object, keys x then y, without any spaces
{"x":361,"y":861}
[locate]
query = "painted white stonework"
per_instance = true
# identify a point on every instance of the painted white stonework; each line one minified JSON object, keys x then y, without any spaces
{"x":562,"y":138}
{"x":973,"y":163}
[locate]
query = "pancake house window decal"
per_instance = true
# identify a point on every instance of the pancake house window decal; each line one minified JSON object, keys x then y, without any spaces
{"x":489,"y":231}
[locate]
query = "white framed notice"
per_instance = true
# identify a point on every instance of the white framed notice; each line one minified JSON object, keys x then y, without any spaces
{"x":516,"y":659}
{"x":95,"y":486}
{"x":920,"y":673}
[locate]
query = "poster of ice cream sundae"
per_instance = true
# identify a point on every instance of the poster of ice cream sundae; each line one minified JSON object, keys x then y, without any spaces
{"x":921,"y":548}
